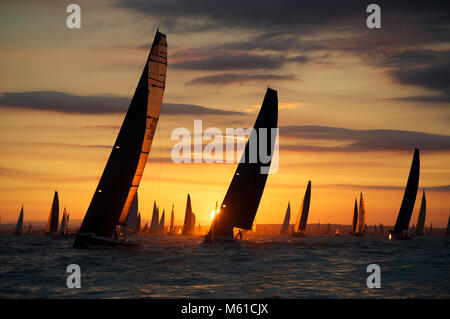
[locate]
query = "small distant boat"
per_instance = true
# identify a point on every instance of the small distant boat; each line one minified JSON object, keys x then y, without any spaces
{"x":336,"y":233}
{"x":161,"y":222}
{"x":116,"y":190}
{"x":137,"y":230}
{"x":19,"y":226}
{"x":154,"y":224}
{"x":328,"y":231}
{"x":144,"y":229}
{"x":30,"y":228}
{"x":361,"y":225}
{"x":302,"y":218}
{"x":409,"y":199}
{"x":189,"y":219}
{"x":62,"y":227}
{"x":422,"y":214}
{"x":243,"y":196}
{"x":287,"y":218}
{"x":172,"y":222}
{"x":355,"y":217}
{"x":52,"y":224}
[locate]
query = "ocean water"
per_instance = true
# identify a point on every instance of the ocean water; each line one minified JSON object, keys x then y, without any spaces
{"x":266,"y":266}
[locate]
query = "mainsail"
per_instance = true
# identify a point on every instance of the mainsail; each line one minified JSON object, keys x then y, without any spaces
{"x":19,"y":226}
{"x":120,"y":180}
{"x":189,"y":218}
{"x":154,"y":224}
{"x":242,"y":199}
{"x":62,"y":227}
{"x":422,"y":213}
{"x":161,"y":222}
{"x":172,"y":221}
{"x":409,"y":198}
{"x":355,"y":216}
{"x":361,"y":225}
{"x":300,"y":224}
{"x":52,"y":224}
{"x":287,"y":218}
{"x":132,"y":219}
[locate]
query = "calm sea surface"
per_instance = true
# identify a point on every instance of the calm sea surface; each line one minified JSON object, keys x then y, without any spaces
{"x":270,"y":266}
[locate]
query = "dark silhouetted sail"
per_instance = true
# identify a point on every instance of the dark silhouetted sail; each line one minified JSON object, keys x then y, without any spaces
{"x":242,"y":199}
{"x":53,"y":217}
{"x":409,"y":198}
{"x":120,"y":180}
{"x":161,"y":222}
{"x":422,"y":213}
{"x":145,"y":228}
{"x":62,"y":227}
{"x":133,"y":216}
{"x":300,"y":224}
{"x":361,"y":225}
{"x":189,"y":218}
{"x":154,"y":224}
{"x":19,"y":226}
{"x":355,"y":216}
{"x":172,"y":221}
{"x":138,"y":223}
{"x":287,"y":219}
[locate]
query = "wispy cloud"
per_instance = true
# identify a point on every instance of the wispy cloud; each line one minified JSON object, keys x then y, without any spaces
{"x":241,"y":78}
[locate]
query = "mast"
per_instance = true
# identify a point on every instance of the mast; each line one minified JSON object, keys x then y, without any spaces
{"x":355,"y":216}
{"x":19,"y":226}
{"x":172,"y":221}
{"x":187,"y":226}
{"x":120,"y":180}
{"x":422,"y":213}
{"x":287,"y":218}
{"x":242,"y":199}
{"x":53,"y":217}
{"x":409,"y":198}
{"x":300,"y":224}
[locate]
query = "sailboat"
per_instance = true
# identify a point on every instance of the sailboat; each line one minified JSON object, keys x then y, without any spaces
{"x":172,"y":222}
{"x":154,"y":224}
{"x":19,"y":226}
{"x":287,"y":218}
{"x":144,"y":230}
{"x":62,"y":227}
{"x":161,"y":222}
{"x":53,"y":217}
{"x":355,"y":217}
{"x":241,"y":201}
{"x":422,"y":213}
{"x":336,"y":233}
{"x":120,"y":180}
{"x":189,"y":219}
{"x":447,"y":232}
{"x":361,"y":225}
{"x":300,"y":224}
{"x":138,"y":224}
{"x":30,"y":228}
{"x":409,"y":199}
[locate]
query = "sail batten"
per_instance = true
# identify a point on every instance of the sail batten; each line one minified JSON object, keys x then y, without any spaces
{"x":117,"y":188}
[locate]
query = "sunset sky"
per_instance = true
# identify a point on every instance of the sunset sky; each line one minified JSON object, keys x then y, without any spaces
{"x":353,"y":102}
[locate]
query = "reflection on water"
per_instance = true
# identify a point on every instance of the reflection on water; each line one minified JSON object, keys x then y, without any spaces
{"x":261,"y":267}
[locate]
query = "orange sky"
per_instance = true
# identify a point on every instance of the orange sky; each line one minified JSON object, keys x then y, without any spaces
{"x":42,"y":151}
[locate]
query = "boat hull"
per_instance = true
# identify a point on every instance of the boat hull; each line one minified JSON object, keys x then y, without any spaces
{"x":86,"y":240}
{"x":218,"y":239}
{"x":298,"y":234}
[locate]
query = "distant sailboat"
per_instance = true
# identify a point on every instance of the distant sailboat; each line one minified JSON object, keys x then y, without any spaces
{"x":154,"y":224}
{"x":172,"y":222}
{"x":145,"y":230}
{"x":120,"y":180}
{"x":336,"y":233}
{"x":19,"y":226}
{"x":242,"y":199}
{"x":287,"y":218}
{"x":355,"y":217}
{"x":422,"y":215}
{"x":66,"y":230}
{"x":328,"y":231}
{"x":52,"y":224}
{"x":361,"y":225}
{"x":189,"y":218}
{"x":161,"y":222}
{"x":409,"y":199}
{"x":30,"y":228}
{"x":300,"y":224}
{"x":62,"y":227}
{"x":138,"y":224}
